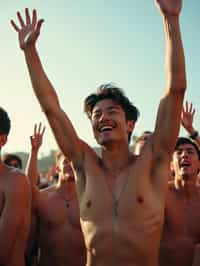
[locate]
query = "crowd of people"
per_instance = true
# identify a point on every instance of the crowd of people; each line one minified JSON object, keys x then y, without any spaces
{"x":124,"y":208}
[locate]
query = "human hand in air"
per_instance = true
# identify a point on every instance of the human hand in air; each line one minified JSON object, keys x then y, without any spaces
{"x":37,"y":137}
{"x":28,"y":31}
{"x":187,"y":117}
{"x":169,"y":7}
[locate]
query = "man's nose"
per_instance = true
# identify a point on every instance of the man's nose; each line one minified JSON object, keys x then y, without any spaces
{"x":104,"y":116}
{"x":184,"y":154}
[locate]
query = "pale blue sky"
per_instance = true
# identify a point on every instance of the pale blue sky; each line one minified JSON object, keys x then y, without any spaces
{"x":84,"y":44}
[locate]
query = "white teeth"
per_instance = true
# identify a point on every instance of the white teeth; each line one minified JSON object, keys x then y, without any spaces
{"x":105,"y":128}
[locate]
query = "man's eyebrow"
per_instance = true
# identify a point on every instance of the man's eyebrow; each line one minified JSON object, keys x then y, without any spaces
{"x":187,"y":149}
{"x":111,"y":107}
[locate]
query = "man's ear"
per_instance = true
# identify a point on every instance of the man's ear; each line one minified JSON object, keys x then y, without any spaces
{"x":3,"y":140}
{"x":131,"y":125}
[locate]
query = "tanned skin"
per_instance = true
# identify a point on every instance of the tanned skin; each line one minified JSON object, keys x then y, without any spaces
{"x":56,"y":214}
{"x":121,"y":196}
{"x":15,"y":214}
{"x":181,"y":238}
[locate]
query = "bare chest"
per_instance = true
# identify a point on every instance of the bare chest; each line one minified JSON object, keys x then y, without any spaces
{"x":56,"y":212}
{"x":183,"y":217}
{"x":127,"y":196}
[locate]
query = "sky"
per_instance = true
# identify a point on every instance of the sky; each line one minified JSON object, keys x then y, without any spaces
{"x":84,"y":44}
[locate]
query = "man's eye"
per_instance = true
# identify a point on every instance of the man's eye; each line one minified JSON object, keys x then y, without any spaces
{"x":95,"y":116}
{"x":112,"y":112}
{"x":191,"y":152}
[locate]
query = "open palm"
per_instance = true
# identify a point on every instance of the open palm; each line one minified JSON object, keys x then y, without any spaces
{"x":187,"y":116}
{"x":28,"y":31}
{"x":171,"y":7}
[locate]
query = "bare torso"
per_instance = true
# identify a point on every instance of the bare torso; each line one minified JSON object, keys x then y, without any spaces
{"x":127,"y":232}
{"x":60,"y":237}
{"x":9,"y":180}
{"x":181,"y":230}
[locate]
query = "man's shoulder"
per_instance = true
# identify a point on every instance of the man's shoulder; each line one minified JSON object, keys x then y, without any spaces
{"x":14,"y":175}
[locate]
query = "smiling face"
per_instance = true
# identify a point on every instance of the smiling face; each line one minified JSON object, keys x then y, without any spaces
{"x":186,"y":162}
{"x":109,"y":122}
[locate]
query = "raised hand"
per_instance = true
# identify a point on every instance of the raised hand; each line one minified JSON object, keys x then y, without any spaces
{"x":187,"y":116}
{"x":169,"y":7}
{"x":28,"y":31}
{"x":37,"y":137}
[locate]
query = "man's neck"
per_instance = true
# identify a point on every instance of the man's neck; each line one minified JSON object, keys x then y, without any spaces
{"x":65,"y":186}
{"x":188,"y":187}
{"x":116,"y":158}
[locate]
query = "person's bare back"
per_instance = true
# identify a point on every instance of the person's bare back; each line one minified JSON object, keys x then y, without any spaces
{"x":15,"y":206}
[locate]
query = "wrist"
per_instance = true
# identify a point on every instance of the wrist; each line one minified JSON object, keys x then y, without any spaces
{"x":194,"y":135}
{"x":29,"y":48}
{"x":34,"y":150}
{"x":190,"y":130}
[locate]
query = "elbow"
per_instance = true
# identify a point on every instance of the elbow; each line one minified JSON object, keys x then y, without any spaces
{"x":178,"y":83}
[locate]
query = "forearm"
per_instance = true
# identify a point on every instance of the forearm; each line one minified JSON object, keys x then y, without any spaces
{"x":175,"y":61}
{"x":31,"y":168}
{"x":42,"y":86}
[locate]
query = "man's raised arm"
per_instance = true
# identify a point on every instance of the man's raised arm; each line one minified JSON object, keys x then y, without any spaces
{"x":169,"y":113}
{"x":28,"y":32}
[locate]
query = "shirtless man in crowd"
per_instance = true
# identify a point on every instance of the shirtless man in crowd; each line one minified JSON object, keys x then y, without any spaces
{"x":15,"y":206}
{"x":121,"y":195}
{"x":56,"y":215}
{"x":180,"y":243}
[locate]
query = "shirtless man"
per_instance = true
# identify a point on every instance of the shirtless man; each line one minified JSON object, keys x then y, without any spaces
{"x":121,"y":196}
{"x":181,"y":234}
{"x":15,"y":202}
{"x":56,"y":216}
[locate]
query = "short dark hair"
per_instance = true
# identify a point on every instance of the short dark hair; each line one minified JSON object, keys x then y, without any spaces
{"x":183,"y":140}
{"x":116,"y":94}
{"x":4,"y":122}
{"x":8,"y":157}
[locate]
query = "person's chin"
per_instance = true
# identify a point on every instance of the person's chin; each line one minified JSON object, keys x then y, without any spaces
{"x":105,"y":140}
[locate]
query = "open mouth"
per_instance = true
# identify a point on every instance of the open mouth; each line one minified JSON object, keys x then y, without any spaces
{"x":105,"y":128}
{"x":184,"y":165}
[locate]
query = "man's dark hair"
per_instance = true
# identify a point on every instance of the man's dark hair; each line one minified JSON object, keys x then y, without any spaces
{"x":183,"y":140}
{"x":110,"y":91}
{"x":4,"y":122}
{"x":9,"y":157}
